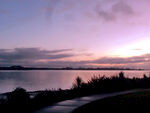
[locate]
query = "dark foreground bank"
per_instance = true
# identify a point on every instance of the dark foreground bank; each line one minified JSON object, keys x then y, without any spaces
{"x":20,"y":101}
{"x":135,"y":102}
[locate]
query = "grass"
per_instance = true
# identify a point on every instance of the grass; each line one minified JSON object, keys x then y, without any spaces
{"x":134,"y":102}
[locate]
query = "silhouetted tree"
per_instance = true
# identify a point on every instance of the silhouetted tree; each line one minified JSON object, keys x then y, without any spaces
{"x":78,"y":82}
{"x":144,"y":76}
{"x":121,"y":75}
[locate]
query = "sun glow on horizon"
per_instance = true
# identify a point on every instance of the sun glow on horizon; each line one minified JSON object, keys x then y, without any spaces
{"x":137,"y":48}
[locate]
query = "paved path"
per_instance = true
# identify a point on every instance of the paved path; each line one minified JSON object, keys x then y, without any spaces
{"x":69,"y":105}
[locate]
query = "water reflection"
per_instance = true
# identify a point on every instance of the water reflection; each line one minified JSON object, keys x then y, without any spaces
{"x":40,"y":80}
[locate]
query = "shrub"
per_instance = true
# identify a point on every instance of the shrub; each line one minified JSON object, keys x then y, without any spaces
{"x":78,"y":82}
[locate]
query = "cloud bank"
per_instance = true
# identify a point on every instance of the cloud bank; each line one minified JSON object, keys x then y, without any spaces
{"x":30,"y":55}
{"x":53,"y":58}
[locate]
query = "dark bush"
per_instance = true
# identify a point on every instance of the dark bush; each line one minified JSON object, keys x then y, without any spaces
{"x":18,"y":101}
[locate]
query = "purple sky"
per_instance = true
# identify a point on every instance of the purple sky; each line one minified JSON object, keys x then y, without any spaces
{"x":60,"y":33}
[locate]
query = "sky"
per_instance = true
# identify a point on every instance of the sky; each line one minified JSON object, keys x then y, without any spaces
{"x":75,"y":33}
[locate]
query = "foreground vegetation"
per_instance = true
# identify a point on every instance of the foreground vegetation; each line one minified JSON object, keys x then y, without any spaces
{"x":135,"y":102}
{"x":20,"y":101}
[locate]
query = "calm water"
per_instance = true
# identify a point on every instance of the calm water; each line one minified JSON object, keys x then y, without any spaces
{"x":39,"y":80}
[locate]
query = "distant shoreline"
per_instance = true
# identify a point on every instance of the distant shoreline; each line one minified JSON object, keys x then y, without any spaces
{"x":78,"y":69}
{"x":66,"y":68}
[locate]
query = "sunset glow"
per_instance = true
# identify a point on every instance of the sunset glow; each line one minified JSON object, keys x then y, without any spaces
{"x":136,"y":48}
{"x":76,"y":33}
